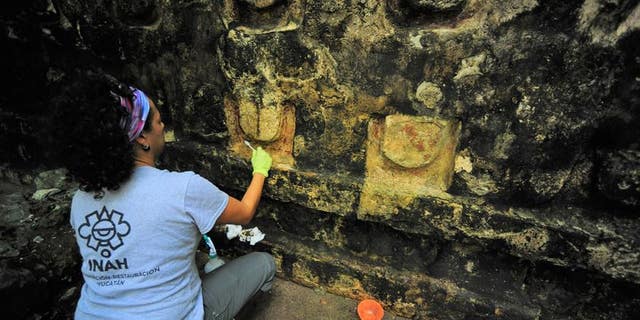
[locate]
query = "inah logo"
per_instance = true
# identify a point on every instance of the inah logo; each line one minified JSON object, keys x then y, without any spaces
{"x":104,"y":230}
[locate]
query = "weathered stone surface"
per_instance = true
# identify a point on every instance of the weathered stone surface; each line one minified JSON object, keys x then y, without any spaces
{"x":423,"y":277}
{"x":436,"y":5}
{"x":261,"y":3}
{"x":39,"y":255}
{"x":572,"y":239}
{"x":270,"y":127}
{"x":619,"y":178}
{"x":263,"y":16}
{"x":407,"y":157}
{"x":605,"y":23}
{"x":429,"y":94}
{"x":413,"y":142}
{"x":521,"y":205}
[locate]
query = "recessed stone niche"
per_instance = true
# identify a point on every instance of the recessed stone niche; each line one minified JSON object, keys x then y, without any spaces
{"x":272,"y":127}
{"x":407,"y":157}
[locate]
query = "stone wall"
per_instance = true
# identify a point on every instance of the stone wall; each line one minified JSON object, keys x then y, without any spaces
{"x":454,"y":159}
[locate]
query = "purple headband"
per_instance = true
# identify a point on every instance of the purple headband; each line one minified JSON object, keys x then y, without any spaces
{"x":138,"y":111}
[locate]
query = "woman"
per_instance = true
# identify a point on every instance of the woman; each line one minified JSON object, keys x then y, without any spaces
{"x":138,"y":227}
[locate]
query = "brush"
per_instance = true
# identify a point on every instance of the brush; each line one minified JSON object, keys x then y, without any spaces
{"x":249,"y":145}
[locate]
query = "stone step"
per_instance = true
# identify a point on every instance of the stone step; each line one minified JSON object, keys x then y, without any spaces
{"x":417,"y":275}
{"x":454,"y":283}
{"x":567,"y":237}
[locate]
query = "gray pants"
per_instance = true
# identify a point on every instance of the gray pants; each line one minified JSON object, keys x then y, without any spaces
{"x":226,"y":289}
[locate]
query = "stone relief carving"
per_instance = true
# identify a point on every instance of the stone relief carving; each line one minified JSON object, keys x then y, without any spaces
{"x":407,"y":157}
{"x":411,"y":142}
{"x":413,"y":154}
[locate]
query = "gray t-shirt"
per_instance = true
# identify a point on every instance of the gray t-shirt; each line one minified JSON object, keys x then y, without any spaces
{"x":138,"y":245}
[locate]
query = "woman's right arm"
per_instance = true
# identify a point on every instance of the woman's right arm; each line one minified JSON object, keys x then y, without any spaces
{"x":242,"y":211}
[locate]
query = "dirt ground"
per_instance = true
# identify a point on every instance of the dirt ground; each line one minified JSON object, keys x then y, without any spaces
{"x":290,"y":301}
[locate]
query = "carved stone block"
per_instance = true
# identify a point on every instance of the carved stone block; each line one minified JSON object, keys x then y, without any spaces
{"x":271,"y":127}
{"x":407,"y":157}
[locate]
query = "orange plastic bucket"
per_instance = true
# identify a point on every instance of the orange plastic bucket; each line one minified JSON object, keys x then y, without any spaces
{"x":370,"y":310}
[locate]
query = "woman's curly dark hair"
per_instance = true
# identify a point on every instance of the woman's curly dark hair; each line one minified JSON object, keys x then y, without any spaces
{"x":87,"y":135}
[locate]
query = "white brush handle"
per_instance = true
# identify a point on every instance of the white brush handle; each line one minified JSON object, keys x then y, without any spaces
{"x":249,"y":145}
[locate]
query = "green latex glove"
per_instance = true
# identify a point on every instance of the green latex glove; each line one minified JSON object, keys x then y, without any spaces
{"x":261,"y":162}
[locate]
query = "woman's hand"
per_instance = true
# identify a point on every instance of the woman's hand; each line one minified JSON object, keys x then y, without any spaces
{"x":261,"y":162}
